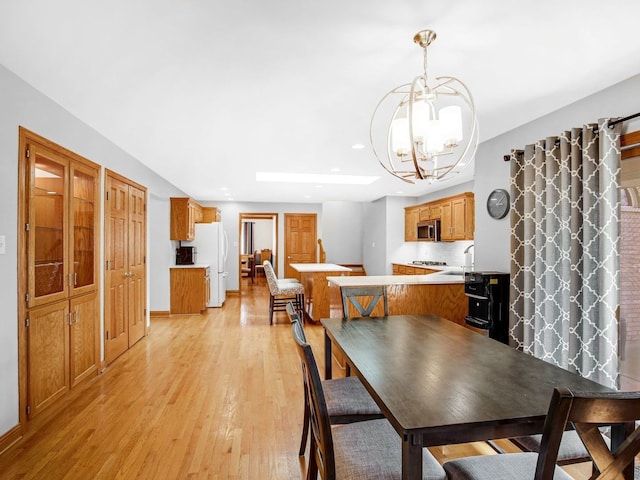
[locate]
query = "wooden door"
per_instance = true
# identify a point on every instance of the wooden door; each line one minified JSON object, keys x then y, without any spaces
{"x":125,"y":257}
{"x":137,"y":248}
{"x":48,"y":355}
{"x":83,"y":337}
{"x":116,"y":321}
{"x":300,"y":241}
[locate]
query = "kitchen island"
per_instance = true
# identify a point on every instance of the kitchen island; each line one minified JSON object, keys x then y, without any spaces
{"x":316,"y":291}
{"x":439,"y":293}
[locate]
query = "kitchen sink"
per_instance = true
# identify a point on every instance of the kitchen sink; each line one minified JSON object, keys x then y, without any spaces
{"x":453,"y":272}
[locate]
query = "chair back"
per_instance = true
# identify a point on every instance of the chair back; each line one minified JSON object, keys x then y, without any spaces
{"x":588,"y":412}
{"x":354,"y":295}
{"x":265,"y":254}
{"x":270,"y":275}
{"x":321,"y":457}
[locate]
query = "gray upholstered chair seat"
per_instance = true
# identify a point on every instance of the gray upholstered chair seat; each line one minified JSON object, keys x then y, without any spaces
{"x":571,"y":450}
{"x":507,"y":466}
{"x":373,"y":450}
{"x":347,"y":397}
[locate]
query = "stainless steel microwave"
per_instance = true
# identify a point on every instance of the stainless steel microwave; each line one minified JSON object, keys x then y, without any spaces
{"x":429,"y":231}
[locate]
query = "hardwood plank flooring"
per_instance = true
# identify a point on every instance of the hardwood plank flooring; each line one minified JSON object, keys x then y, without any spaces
{"x":215,"y":396}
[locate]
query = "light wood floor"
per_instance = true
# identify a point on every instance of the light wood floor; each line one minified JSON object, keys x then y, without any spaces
{"x":214,"y":396}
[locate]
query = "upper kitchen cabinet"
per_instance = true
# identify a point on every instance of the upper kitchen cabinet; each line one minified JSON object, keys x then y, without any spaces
{"x":457,"y":220}
{"x":456,"y":215}
{"x":185,"y":213}
{"x":411,"y":216}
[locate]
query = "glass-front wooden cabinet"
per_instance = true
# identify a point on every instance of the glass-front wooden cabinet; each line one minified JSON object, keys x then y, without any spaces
{"x":48,"y":216}
{"x":58,"y":270}
{"x":62,"y":227}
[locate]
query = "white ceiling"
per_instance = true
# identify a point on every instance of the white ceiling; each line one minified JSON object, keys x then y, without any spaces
{"x":207,"y":92}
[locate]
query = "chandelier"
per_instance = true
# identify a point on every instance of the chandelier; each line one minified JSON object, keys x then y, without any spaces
{"x":425,"y":130}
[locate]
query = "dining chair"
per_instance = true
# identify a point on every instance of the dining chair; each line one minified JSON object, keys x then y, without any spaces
{"x":354,"y":295}
{"x":265,"y":255}
{"x":248,"y":267}
{"x":587,"y":412}
{"x":571,"y":449}
{"x":346,"y":398}
{"x":370,"y":449}
{"x":282,"y":292}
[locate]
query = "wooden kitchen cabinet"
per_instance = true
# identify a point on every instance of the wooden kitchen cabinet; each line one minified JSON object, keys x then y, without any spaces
{"x":456,"y":215}
{"x":399,"y":269}
{"x":411,"y":216}
{"x":457,"y":218}
{"x":190,"y":289}
{"x":185,"y":213}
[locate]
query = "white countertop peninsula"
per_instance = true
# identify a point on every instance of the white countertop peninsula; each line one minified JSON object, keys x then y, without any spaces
{"x":443,"y":278}
{"x":319,"y":267}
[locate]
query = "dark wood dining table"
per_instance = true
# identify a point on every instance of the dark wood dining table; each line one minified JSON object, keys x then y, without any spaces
{"x":439,"y":383}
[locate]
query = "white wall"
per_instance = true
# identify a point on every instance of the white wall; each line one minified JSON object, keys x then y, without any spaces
{"x":374,"y":237}
{"x":342,"y":231}
{"x":263,"y":234}
{"x":23,"y":105}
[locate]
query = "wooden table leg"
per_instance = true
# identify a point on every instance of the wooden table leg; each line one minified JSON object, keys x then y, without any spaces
{"x":412,"y":457}
{"x":327,"y":357}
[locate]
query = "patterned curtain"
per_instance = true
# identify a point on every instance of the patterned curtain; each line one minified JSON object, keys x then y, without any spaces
{"x":565,"y":235}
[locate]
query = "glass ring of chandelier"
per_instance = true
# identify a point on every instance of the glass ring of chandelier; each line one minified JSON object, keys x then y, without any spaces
{"x":425,"y":130}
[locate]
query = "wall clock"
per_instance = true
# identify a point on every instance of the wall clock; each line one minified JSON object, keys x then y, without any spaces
{"x":498,"y":203}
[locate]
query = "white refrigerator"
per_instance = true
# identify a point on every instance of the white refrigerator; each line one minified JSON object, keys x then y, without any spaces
{"x":212,"y":247}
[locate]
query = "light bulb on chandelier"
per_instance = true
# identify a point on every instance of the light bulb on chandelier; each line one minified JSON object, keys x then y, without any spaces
{"x":425,"y":130}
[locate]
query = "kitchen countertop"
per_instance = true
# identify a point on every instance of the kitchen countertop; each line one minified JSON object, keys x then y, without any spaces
{"x":319,"y":267}
{"x":197,"y":265}
{"x":441,"y":278}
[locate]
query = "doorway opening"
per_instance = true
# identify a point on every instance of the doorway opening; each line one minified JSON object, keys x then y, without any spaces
{"x":629,"y":347}
{"x":258,"y":237}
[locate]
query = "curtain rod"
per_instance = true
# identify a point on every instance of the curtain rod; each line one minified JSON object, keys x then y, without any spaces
{"x":623,"y":119}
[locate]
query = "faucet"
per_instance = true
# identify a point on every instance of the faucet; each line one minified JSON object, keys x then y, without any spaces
{"x":469,"y":262}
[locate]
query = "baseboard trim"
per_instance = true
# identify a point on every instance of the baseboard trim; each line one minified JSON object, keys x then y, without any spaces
{"x":10,"y":438}
{"x":233,"y":293}
{"x":159,"y":313}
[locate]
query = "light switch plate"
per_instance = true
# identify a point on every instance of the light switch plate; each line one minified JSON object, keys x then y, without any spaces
{"x":3,"y":244}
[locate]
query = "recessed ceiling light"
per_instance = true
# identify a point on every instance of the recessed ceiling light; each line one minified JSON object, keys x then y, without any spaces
{"x":357,"y":146}
{"x":224,"y":188}
{"x":307,"y":196}
{"x":335,"y":169}
{"x":315,"y":178}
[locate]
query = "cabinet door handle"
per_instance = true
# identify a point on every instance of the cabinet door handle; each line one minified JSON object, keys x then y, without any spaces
{"x":71,"y":318}
{"x":75,"y":278}
{"x":76,"y":314}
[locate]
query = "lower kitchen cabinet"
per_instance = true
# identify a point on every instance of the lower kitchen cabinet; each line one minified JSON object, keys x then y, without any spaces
{"x":190,"y":289}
